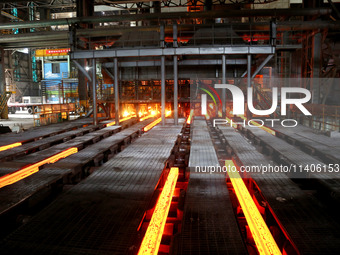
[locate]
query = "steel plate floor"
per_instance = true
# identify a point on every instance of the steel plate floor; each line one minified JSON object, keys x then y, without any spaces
{"x":100,"y":215}
{"x":209,"y":224}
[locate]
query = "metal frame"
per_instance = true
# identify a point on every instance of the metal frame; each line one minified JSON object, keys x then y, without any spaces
{"x":153,"y":52}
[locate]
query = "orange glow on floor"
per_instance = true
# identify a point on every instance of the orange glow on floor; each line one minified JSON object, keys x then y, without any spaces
{"x":268,"y":130}
{"x":31,"y":169}
{"x":153,"y":236}
{"x":264,"y":240}
{"x":123,"y":119}
{"x":152,"y":124}
{"x":10,"y":146}
{"x":190,"y":117}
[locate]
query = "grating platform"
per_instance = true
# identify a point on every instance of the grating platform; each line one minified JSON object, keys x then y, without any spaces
{"x":66,"y":168}
{"x":78,"y":142}
{"x":291,"y":155}
{"x":298,"y":211}
{"x":97,"y":152}
{"x":42,"y":144}
{"x":326,"y":147}
{"x":100,"y":215}
{"x":43,"y":131}
{"x":209,"y":224}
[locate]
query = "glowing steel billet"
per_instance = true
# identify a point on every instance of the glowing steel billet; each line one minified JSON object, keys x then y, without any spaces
{"x":190,"y":117}
{"x":10,"y":146}
{"x":153,"y":236}
{"x":146,"y":117}
{"x":31,"y":169}
{"x":268,"y":130}
{"x":152,"y":124}
{"x":123,"y":119}
{"x":264,"y":240}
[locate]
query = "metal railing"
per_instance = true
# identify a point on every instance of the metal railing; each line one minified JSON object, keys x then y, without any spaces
{"x":217,"y":34}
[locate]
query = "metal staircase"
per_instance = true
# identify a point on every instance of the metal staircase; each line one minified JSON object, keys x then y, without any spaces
{"x":3,"y":101}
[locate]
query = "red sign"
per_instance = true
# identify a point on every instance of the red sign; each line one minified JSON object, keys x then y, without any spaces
{"x":56,"y":51}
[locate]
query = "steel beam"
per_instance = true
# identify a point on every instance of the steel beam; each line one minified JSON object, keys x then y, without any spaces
{"x":317,"y":59}
{"x":150,"y":52}
{"x":82,"y":69}
{"x":163,"y":89}
{"x":248,"y":79}
{"x":224,"y":80}
{"x":259,"y":68}
{"x":94,"y":92}
{"x":174,"y":35}
{"x":194,"y":62}
{"x":117,"y":91}
{"x":171,"y":16}
{"x":175,"y":90}
{"x":116,"y":87}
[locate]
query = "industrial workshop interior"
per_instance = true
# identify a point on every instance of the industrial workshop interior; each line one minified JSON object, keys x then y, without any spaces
{"x":173,"y":127}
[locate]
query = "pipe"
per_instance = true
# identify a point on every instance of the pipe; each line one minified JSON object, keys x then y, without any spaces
{"x":171,"y":15}
{"x":94,"y":92}
{"x":116,"y":87}
{"x":163,"y":89}
{"x":248,"y":80}
{"x":224,"y":80}
{"x":176,"y":90}
{"x":117,"y":91}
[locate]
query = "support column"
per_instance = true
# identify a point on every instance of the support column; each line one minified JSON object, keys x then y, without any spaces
{"x":224,"y":80}
{"x":82,"y":85}
{"x":2,"y":72}
{"x":94,"y":92}
{"x":316,"y":68}
{"x":115,"y":66}
{"x":175,"y":90}
{"x":248,"y":79}
{"x":163,"y":89}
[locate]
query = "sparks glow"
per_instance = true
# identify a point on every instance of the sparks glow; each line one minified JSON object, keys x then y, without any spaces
{"x":167,"y":113}
{"x":153,"y":236}
{"x":125,"y":114}
{"x":153,"y":113}
{"x":264,"y":240}
{"x":31,"y":169}
{"x":10,"y":146}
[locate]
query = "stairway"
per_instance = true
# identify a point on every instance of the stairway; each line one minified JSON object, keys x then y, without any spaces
{"x":3,"y":101}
